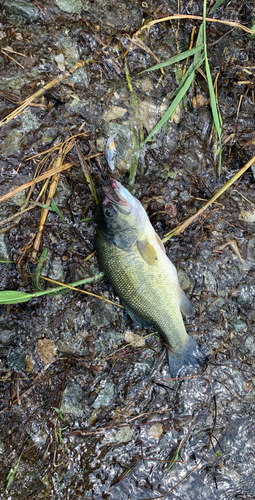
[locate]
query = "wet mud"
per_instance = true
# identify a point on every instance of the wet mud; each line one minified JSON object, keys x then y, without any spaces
{"x":88,"y":409}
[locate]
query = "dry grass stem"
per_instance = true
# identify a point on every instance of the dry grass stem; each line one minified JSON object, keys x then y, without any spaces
{"x":81,"y":291}
{"x":199,"y":18}
{"x":185,"y":224}
{"x":41,"y":177}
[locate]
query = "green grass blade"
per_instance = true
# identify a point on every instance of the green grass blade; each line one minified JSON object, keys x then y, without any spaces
{"x":52,"y":208}
{"x":175,"y":59}
{"x":216,"y":115}
{"x":218,"y":3}
{"x":12,"y":473}
{"x":183,"y":90}
{"x":15,"y":297}
{"x":216,"y":118}
{"x":56,"y":209}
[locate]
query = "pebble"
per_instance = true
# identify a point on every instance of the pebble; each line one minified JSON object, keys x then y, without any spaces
{"x":47,"y":350}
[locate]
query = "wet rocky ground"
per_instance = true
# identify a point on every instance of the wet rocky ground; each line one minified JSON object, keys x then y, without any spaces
{"x":88,"y":410}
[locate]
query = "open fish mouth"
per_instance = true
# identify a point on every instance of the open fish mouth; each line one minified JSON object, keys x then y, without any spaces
{"x":112,"y":193}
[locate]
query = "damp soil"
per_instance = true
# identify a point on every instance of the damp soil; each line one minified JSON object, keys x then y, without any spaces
{"x":88,"y":409}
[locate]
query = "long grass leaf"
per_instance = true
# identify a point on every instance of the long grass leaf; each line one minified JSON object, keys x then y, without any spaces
{"x":56,"y":209}
{"x":175,"y":59}
{"x":175,"y":103}
{"x":218,"y":3}
{"x":15,"y":297}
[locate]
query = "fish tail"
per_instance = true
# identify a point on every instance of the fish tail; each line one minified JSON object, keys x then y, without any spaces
{"x":189,"y":355}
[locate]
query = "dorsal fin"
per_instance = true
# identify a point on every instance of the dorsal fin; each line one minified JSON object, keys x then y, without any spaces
{"x":147,"y":251}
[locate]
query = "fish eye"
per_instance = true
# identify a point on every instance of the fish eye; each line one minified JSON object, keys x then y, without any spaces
{"x":109,"y":212}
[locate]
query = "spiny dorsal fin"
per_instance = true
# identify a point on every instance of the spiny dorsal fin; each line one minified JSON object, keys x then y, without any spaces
{"x":147,"y":251}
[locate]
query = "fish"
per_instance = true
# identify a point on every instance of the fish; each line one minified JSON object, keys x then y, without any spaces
{"x":134,"y":261}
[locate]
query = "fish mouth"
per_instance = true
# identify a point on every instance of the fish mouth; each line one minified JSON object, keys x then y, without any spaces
{"x":112,"y":193}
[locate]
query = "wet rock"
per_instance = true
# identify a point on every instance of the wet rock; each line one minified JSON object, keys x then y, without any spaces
{"x":113,"y":113}
{"x":7,"y":333}
{"x":184,"y":195}
{"x":57,"y":272}
{"x":29,"y":121}
{"x":12,"y":143}
{"x":37,"y":433}
{"x":21,"y":11}
{"x":5,"y":253}
{"x":74,"y":7}
{"x":19,"y":198}
{"x":46,"y":350}
{"x":193,"y":159}
{"x":244,"y":296}
{"x":105,"y":315}
{"x":247,"y":215}
{"x":204,"y":122}
{"x":72,"y":400}
{"x":251,"y":253}
{"x":171,"y":137}
{"x":124,"y":435}
{"x":250,"y":344}
{"x":135,"y":340}
{"x":63,"y":193}
{"x":239,"y":325}
{"x":149,"y":114}
{"x":15,"y":362}
{"x":29,"y":363}
{"x":155,"y":431}
{"x":183,"y":279}
{"x":105,"y":395}
{"x":75,"y":104}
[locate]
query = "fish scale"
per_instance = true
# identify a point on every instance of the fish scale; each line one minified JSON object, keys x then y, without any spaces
{"x":145,"y":290}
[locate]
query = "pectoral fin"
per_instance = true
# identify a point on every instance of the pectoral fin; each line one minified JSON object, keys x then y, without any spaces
{"x":160,"y":243}
{"x":185,"y":304}
{"x":147,"y":251}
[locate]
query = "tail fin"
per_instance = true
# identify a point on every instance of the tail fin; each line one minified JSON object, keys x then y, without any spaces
{"x":189,"y":355}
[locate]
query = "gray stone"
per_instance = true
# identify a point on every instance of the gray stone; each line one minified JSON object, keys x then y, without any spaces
{"x":7,"y":333}
{"x":244,"y":296}
{"x":184,"y":195}
{"x":239,"y":325}
{"x":21,"y":10}
{"x":124,"y":435}
{"x":57,"y":271}
{"x":63,"y":193}
{"x":73,"y":7}
{"x":5,"y":253}
{"x":105,"y":396}
{"x":183,"y":279}
{"x":16,"y":362}
{"x":72,"y":400}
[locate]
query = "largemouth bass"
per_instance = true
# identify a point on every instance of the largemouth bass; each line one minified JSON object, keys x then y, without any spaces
{"x":134,"y":261}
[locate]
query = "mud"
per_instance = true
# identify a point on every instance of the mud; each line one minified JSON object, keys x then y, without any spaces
{"x":86,"y":411}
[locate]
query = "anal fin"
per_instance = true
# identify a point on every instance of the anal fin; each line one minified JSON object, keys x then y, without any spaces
{"x":185,"y":304}
{"x":138,"y":321}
